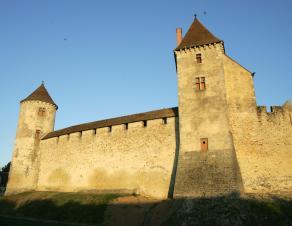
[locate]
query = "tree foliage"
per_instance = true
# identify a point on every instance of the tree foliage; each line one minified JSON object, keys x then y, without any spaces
{"x":6,"y":168}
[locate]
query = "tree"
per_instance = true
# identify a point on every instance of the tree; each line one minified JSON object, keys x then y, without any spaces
{"x":6,"y":168}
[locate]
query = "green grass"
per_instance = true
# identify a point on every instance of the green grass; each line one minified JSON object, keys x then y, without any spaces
{"x":68,"y":207}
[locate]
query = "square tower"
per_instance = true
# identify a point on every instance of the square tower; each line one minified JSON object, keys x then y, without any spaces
{"x":207,"y":163}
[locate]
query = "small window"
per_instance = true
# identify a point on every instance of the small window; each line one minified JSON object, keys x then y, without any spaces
{"x":126,"y":126}
{"x":42,"y":112}
{"x":110,"y":129}
{"x":200,"y":83}
{"x":37,"y":134}
{"x":164,"y":121}
{"x":144,"y":123}
{"x":204,"y":144}
{"x":199,"y":58}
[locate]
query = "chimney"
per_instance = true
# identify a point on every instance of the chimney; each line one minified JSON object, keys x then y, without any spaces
{"x":178,"y":36}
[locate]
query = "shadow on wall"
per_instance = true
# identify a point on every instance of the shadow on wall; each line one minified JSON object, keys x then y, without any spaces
{"x":225,"y":210}
{"x":175,"y":162}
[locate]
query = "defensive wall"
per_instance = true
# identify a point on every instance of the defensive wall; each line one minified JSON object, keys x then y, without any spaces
{"x":136,"y":157}
{"x":262,"y":139}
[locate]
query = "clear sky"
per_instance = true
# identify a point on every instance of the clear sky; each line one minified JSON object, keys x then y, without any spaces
{"x":101,"y":59}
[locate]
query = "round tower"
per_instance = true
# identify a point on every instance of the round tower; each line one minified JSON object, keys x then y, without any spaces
{"x":36,"y":118}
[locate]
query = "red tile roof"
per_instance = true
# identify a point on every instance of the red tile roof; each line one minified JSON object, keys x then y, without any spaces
{"x":197,"y":35}
{"x":41,"y":94}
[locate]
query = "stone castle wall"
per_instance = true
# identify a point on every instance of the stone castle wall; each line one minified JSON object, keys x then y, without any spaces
{"x":263,"y":140}
{"x":136,"y":159}
{"x":264,"y":150}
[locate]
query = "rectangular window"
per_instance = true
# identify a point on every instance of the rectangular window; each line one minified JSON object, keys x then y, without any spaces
{"x":110,"y":129}
{"x":42,"y":112}
{"x":200,"y":83}
{"x":126,"y":126}
{"x":164,"y":121}
{"x":144,"y":123}
{"x":199,"y":58}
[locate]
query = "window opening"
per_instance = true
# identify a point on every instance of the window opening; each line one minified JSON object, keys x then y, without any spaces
{"x":200,"y":83}
{"x":199,"y":58}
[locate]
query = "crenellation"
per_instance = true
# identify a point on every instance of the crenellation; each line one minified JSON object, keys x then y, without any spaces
{"x":118,"y":129}
{"x":156,"y":122}
{"x":277,"y":109}
{"x":74,"y":137}
{"x":277,"y":115}
{"x":63,"y":139}
{"x":87,"y":136}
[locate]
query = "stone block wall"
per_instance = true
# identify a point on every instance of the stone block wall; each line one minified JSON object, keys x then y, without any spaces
{"x":136,"y":159}
{"x":210,"y":173}
{"x":262,"y":140}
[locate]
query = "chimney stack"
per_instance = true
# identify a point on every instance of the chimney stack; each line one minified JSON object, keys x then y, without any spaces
{"x":178,"y":36}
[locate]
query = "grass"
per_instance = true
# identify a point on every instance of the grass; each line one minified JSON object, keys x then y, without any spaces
{"x":67,"y":207}
{"x":88,"y":208}
{"x":233,"y":210}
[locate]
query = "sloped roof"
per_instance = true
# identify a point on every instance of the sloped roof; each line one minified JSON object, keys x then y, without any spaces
{"x":168,"y":112}
{"x":40,"y":94}
{"x":197,"y":35}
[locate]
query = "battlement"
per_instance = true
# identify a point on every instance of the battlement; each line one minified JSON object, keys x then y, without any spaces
{"x":273,"y":109}
{"x":111,"y":130}
{"x":277,"y":114}
{"x":109,"y":123}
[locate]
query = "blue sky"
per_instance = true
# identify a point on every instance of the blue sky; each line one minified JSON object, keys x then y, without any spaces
{"x":101,"y":59}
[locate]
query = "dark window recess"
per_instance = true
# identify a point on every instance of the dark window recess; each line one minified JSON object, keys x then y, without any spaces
{"x":126,"y":126}
{"x":199,"y":58}
{"x":200,"y":83}
{"x":145,"y":123}
{"x":164,"y":121}
{"x":42,"y":112}
{"x":110,"y":128}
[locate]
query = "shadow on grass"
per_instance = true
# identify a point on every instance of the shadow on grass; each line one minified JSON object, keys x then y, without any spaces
{"x":226,"y":210}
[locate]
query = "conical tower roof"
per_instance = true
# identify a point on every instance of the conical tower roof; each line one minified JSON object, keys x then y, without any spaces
{"x":40,"y":94}
{"x":197,"y":35}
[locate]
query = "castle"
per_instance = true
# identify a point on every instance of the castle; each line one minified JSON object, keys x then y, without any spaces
{"x":217,"y":140}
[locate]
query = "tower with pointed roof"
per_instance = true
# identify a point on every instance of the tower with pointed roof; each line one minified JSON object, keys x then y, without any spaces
{"x":36,"y":118}
{"x":206,"y":146}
